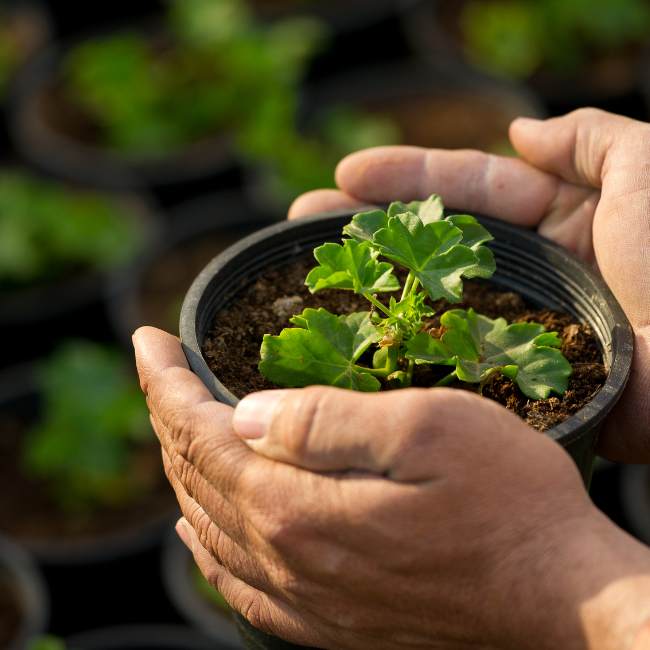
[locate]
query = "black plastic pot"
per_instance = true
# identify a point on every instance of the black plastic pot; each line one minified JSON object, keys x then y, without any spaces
{"x":545,"y":274}
{"x":25,"y":580}
{"x":41,"y":140}
{"x":177,"y":566}
{"x":19,"y":394}
{"x":199,"y":230}
{"x":436,"y":42}
{"x":430,"y":107}
{"x":142,"y":637}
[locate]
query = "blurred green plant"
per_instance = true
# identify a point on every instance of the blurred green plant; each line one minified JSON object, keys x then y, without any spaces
{"x":218,"y":70}
{"x":93,"y":421}
{"x":515,"y":38}
{"x":48,"y":231}
{"x":295,"y":162}
{"x":211,"y":72}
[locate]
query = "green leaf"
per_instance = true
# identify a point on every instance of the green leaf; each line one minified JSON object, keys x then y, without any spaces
{"x":429,"y":210}
{"x":520,"y":351}
{"x":322,"y":351}
{"x":474,"y":236}
{"x":432,"y":253}
{"x":365,"y":224}
{"x":424,"y":348}
{"x":353,"y":266}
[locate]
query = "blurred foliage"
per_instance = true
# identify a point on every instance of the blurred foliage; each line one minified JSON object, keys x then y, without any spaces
{"x":297,"y":162}
{"x":93,"y":419}
{"x":213,"y":71}
{"x":208,"y":592}
{"x":46,"y":643}
{"x":218,"y":70}
{"x":48,"y":231}
{"x":515,"y":38}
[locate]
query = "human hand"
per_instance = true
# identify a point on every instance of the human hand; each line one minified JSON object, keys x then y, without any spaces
{"x":583,"y":180}
{"x":407,"y":519}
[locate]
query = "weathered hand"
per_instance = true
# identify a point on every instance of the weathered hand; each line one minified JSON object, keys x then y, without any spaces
{"x":408,"y":519}
{"x":582,"y":180}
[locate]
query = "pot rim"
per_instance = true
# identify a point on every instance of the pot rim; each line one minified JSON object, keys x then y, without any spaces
{"x":221,"y":211}
{"x":569,"y":430}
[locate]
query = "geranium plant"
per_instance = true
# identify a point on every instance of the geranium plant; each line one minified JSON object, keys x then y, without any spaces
{"x":380,"y":347}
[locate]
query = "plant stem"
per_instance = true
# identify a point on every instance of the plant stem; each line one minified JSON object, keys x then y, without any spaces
{"x":376,"y":303}
{"x":447,"y":379}
{"x":409,"y":371}
{"x":407,"y":285}
{"x":377,"y":372}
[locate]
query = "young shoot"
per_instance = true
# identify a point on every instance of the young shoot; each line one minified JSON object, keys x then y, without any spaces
{"x":382,"y":346}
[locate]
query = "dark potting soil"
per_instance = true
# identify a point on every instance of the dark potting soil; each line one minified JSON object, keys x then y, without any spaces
{"x":35,"y":516}
{"x":232,"y":347}
{"x":10,"y":612}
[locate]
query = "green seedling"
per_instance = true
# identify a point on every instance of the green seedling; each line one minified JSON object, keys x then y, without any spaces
{"x":381,"y":347}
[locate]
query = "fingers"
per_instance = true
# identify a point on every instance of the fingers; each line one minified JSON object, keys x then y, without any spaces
{"x":322,"y":201}
{"x":264,"y":612}
{"x":213,"y":537}
{"x":156,"y":350}
{"x":466,"y":180}
{"x":392,"y":433}
{"x":576,"y":147}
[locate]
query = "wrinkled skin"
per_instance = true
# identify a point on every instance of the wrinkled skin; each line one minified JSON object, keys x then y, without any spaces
{"x":427,"y":518}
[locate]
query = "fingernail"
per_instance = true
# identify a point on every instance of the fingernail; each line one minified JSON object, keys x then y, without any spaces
{"x":254,"y":413}
{"x":183,"y":531}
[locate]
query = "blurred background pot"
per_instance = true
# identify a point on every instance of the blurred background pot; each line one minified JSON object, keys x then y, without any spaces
{"x":545,"y":274}
{"x":405,"y":103}
{"x":198,"y":602}
{"x":59,"y":137}
{"x":58,"y":440}
{"x":571,"y":53}
{"x":23,"y":601}
{"x":59,"y":246}
{"x":142,"y":637}
{"x":151,"y":290}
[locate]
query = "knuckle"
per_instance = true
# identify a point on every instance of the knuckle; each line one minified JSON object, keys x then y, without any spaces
{"x":200,"y":522}
{"x":256,"y":611}
{"x":187,"y":474}
{"x":284,"y":532}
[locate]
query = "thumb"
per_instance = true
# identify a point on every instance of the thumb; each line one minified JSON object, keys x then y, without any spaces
{"x":396,"y":433}
{"x":577,"y":147}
